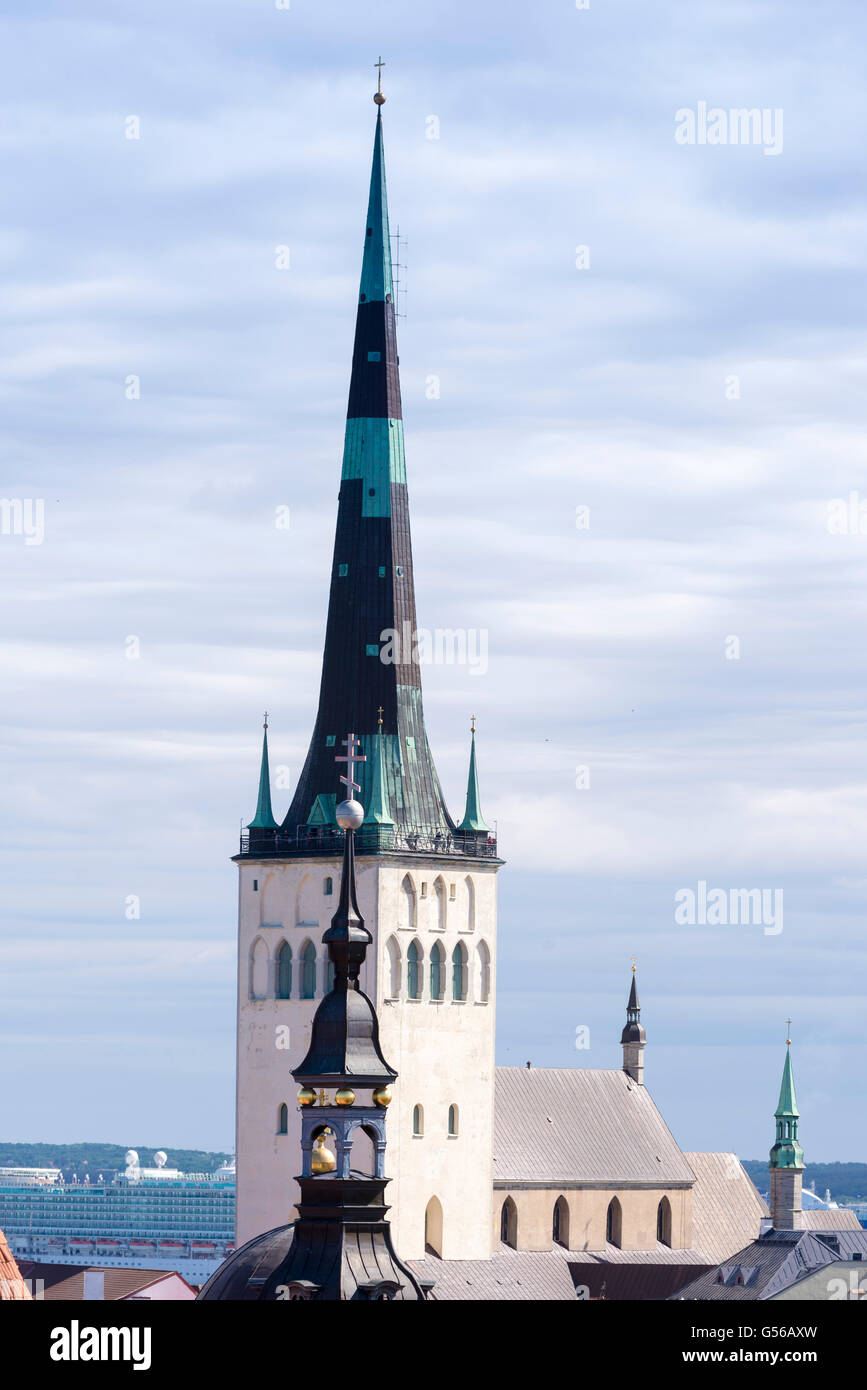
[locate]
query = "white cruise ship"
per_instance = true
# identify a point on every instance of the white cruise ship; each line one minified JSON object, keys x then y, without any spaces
{"x":145,"y":1218}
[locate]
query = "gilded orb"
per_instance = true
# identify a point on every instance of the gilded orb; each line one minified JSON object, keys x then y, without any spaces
{"x":379,"y":98}
{"x":344,"y":1096}
{"x":382,"y":1096}
{"x":322,"y":1160}
{"x":306,"y":1096}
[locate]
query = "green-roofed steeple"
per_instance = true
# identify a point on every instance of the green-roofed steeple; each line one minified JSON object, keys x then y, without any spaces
{"x":377,"y":812}
{"x":473,"y":818}
{"x":787,"y":1152}
{"x":264,"y":817}
{"x":376,"y":282}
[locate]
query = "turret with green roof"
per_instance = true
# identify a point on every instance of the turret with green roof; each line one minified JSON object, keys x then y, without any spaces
{"x":787,"y":1156}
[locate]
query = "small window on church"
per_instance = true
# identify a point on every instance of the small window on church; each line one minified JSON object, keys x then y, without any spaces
{"x":329,"y":887}
{"x":453,"y":1122}
{"x":283,"y":1119}
{"x":398,"y":569}
{"x":374,"y":357}
{"x":372,"y":649}
{"x":342,"y":571}
{"x":417,"y":1121}
{"x":453,"y":892}
{"x":329,"y":740}
{"x":382,"y":571}
{"x":255,"y":885}
{"x":424,"y":890}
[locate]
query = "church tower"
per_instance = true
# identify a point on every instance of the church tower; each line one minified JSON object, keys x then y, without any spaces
{"x":787,"y":1157}
{"x":633,"y":1038}
{"x":426,"y":886}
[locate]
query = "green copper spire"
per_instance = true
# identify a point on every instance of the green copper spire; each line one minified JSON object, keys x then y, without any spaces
{"x":787,"y":1152}
{"x":264,"y":818}
{"x":377,"y":811}
{"x":376,"y":284}
{"x":473,"y":818}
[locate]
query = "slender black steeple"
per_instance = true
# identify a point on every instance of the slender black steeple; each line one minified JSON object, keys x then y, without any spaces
{"x":633,"y":1037}
{"x":370,"y":660}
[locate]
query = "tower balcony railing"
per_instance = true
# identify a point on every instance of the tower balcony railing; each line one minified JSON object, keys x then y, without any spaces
{"x":369,"y":839}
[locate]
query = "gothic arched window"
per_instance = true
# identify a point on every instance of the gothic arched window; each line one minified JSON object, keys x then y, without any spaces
{"x":509,"y":1223}
{"x":440,"y":904}
{"x":406,"y":905}
{"x":283,"y":1119}
{"x":453,"y":1121}
{"x":437,"y":972}
{"x":560,"y":1224}
{"x":459,"y":971}
{"x":284,"y":971}
{"x":663,"y":1222}
{"x":259,"y":970}
{"x":483,"y":962}
{"x":614,"y":1223}
{"x":417,"y":1121}
{"x":308,"y":970}
{"x":392,"y":952}
{"x":413,"y":970}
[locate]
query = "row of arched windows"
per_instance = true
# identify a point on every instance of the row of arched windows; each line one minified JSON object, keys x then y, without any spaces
{"x":560,"y":1223}
{"x":418,"y":1121}
{"x":288,"y":975}
{"x":447,"y":908}
{"x":293,"y":974}
{"x":441,"y":904}
{"x":442,"y":975}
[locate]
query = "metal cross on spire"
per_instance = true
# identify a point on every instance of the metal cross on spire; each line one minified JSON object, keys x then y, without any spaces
{"x":788,"y":1031}
{"x":350,"y":757}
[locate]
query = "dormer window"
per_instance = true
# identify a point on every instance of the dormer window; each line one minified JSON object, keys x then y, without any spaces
{"x":374,"y":357}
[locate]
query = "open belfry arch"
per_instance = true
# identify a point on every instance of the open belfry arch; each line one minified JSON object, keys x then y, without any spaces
{"x":422,"y":879}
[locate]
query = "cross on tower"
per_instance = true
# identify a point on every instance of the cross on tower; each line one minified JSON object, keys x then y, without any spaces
{"x":788,"y":1030}
{"x":380,"y":65}
{"x":350,"y":757}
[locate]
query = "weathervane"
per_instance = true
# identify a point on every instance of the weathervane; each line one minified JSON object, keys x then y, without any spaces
{"x":350,"y":757}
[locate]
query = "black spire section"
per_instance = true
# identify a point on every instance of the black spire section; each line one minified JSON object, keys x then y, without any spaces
{"x":344,"y":1041}
{"x":633,"y":1031}
{"x":371,"y":659}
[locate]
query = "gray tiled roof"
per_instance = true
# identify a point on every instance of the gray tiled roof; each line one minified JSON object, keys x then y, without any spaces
{"x":510,"y":1275}
{"x":830,"y":1219}
{"x":727,"y":1210}
{"x":555,"y":1125}
{"x":774,"y":1262}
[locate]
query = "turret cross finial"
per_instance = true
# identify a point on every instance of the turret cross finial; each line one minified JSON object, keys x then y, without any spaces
{"x":633,"y":965}
{"x":350,"y":757}
{"x":788,"y":1031}
{"x":379,"y":712}
{"x":380,"y":65}
{"x":472,"y":723}
{"x":266,"y":720}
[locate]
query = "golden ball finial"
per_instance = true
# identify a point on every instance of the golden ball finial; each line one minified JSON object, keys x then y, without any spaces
{"x":379,"y":98}
{"x":382,"y":1096}
{"x":345,"y":1096}
{"x":322,"y":1160}
{"x":306,"y":1096}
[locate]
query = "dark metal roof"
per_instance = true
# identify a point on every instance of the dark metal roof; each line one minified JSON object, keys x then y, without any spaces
{"x":774,"y":1262}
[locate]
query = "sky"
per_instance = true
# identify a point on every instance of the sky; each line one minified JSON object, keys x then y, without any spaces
{"x":633,"y":376}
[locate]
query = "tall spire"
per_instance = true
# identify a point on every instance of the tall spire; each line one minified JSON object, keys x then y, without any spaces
{"x":371,"y":656}
{"x":264,"y":817}
{"x":787,"y":1157}
{"x":633,"y":1037}
{"x":473,"y":818}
